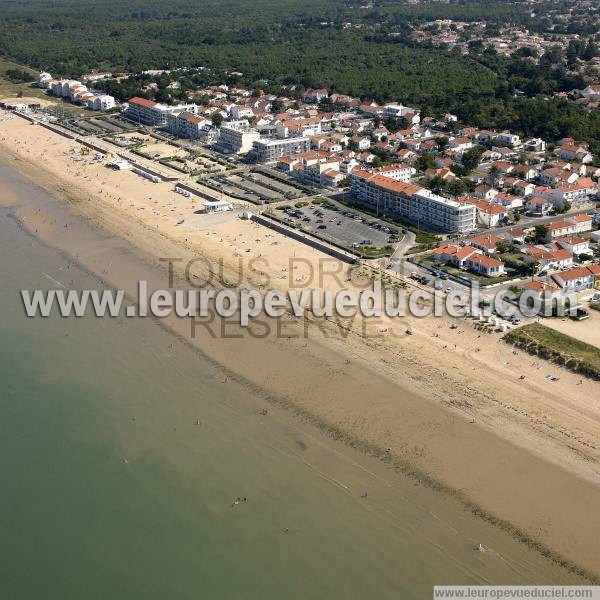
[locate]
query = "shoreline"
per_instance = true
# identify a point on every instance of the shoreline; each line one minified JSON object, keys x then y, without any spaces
{"x":335,"y":417}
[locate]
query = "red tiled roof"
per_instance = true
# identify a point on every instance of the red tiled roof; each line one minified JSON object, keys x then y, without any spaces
{"x":486,"y":240}
{"x":571,"y":240}
{"x":580,"y":218}
{"x":386,"y":183}
{"x":485,"y":261}
{"x":142,"y":102}
{"x":575,"y":273}
{"x":540,"y":286}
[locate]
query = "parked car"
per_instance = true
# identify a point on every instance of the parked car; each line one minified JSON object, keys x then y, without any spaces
{"x":581,"y":314}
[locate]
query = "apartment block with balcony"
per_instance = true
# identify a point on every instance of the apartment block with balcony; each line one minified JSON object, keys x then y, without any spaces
{"x":237,"y":137}
{"x":267,"y":150}
{"x":413,"y":203}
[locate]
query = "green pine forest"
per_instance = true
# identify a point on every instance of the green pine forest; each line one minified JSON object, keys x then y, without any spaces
{"x":353,"y":47}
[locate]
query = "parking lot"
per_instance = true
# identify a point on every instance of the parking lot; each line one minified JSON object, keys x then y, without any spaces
{"x":101,"y":125}
{"x":343,"y":227}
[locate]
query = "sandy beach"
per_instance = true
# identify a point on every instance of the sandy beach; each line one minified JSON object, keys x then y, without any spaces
{"x":447,"y":406}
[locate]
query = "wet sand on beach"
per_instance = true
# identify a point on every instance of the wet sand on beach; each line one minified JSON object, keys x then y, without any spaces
{"x":447,"y":403}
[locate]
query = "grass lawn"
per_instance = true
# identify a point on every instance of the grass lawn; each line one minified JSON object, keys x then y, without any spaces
{"x":563,"y":349}
{"x":8,"y":89}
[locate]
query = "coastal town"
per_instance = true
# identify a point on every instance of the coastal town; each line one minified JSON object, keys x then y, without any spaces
{"x":423,"y":195}
{"x":310,"y":287}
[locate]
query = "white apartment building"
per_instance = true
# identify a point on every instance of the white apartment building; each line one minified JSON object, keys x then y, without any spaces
{"x":75,"y":91}
{"x":297,"y":127}
{"x":188,"y":125}
{"x":152,"y":113}
{"x":62,"y":87}
{"x":237,"y":137}
{"x":397,"y":172}
{"x":394,"y":111}
{"x":413,"y":203}
{"x":241,"y":112}
{"x":535,"y":145}
{"x":510,"y":139}
{"x":43,"y":80}
{"x":266,"y":150}
{"x":104,"y":102}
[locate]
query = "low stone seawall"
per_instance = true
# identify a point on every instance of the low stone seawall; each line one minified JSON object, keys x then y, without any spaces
{"x":196,"y":192}
{"x":305,"y":239}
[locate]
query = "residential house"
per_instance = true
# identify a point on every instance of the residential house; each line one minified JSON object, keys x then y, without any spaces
{"x":592,"y":92}
{"x":510,"y":139}
{"x":395,"y":111}
{"x":443,"y":173}
{"x":314,"y":95}
{"x":508,"y":201}
{"x":569,"y":226}
{"x":241,"y":112}
{"x":544,"y":290}
{"x":364,"y":143}
{"x":485,"y":265}
{"x":548,"y":257}
{"x":579,"y":278}
{"x":535,"y":145}
{"x":558,"y":229}
{"x":574,"y":244}
{"x":515,"y":236}
{"x":490,"y":215}
{"x":575,"y":152}
{"x":523,"y":188}
{"x":555,"y":175}
{"x":581,"y":191}
{"x":486,"y":192}
{"x":538,"y":206}
{"x":460,"y":143}
{"x":299,"y":127}
{"x":582,"y":223}
{"x":486,"y":242}
{"x":454,"y":254}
